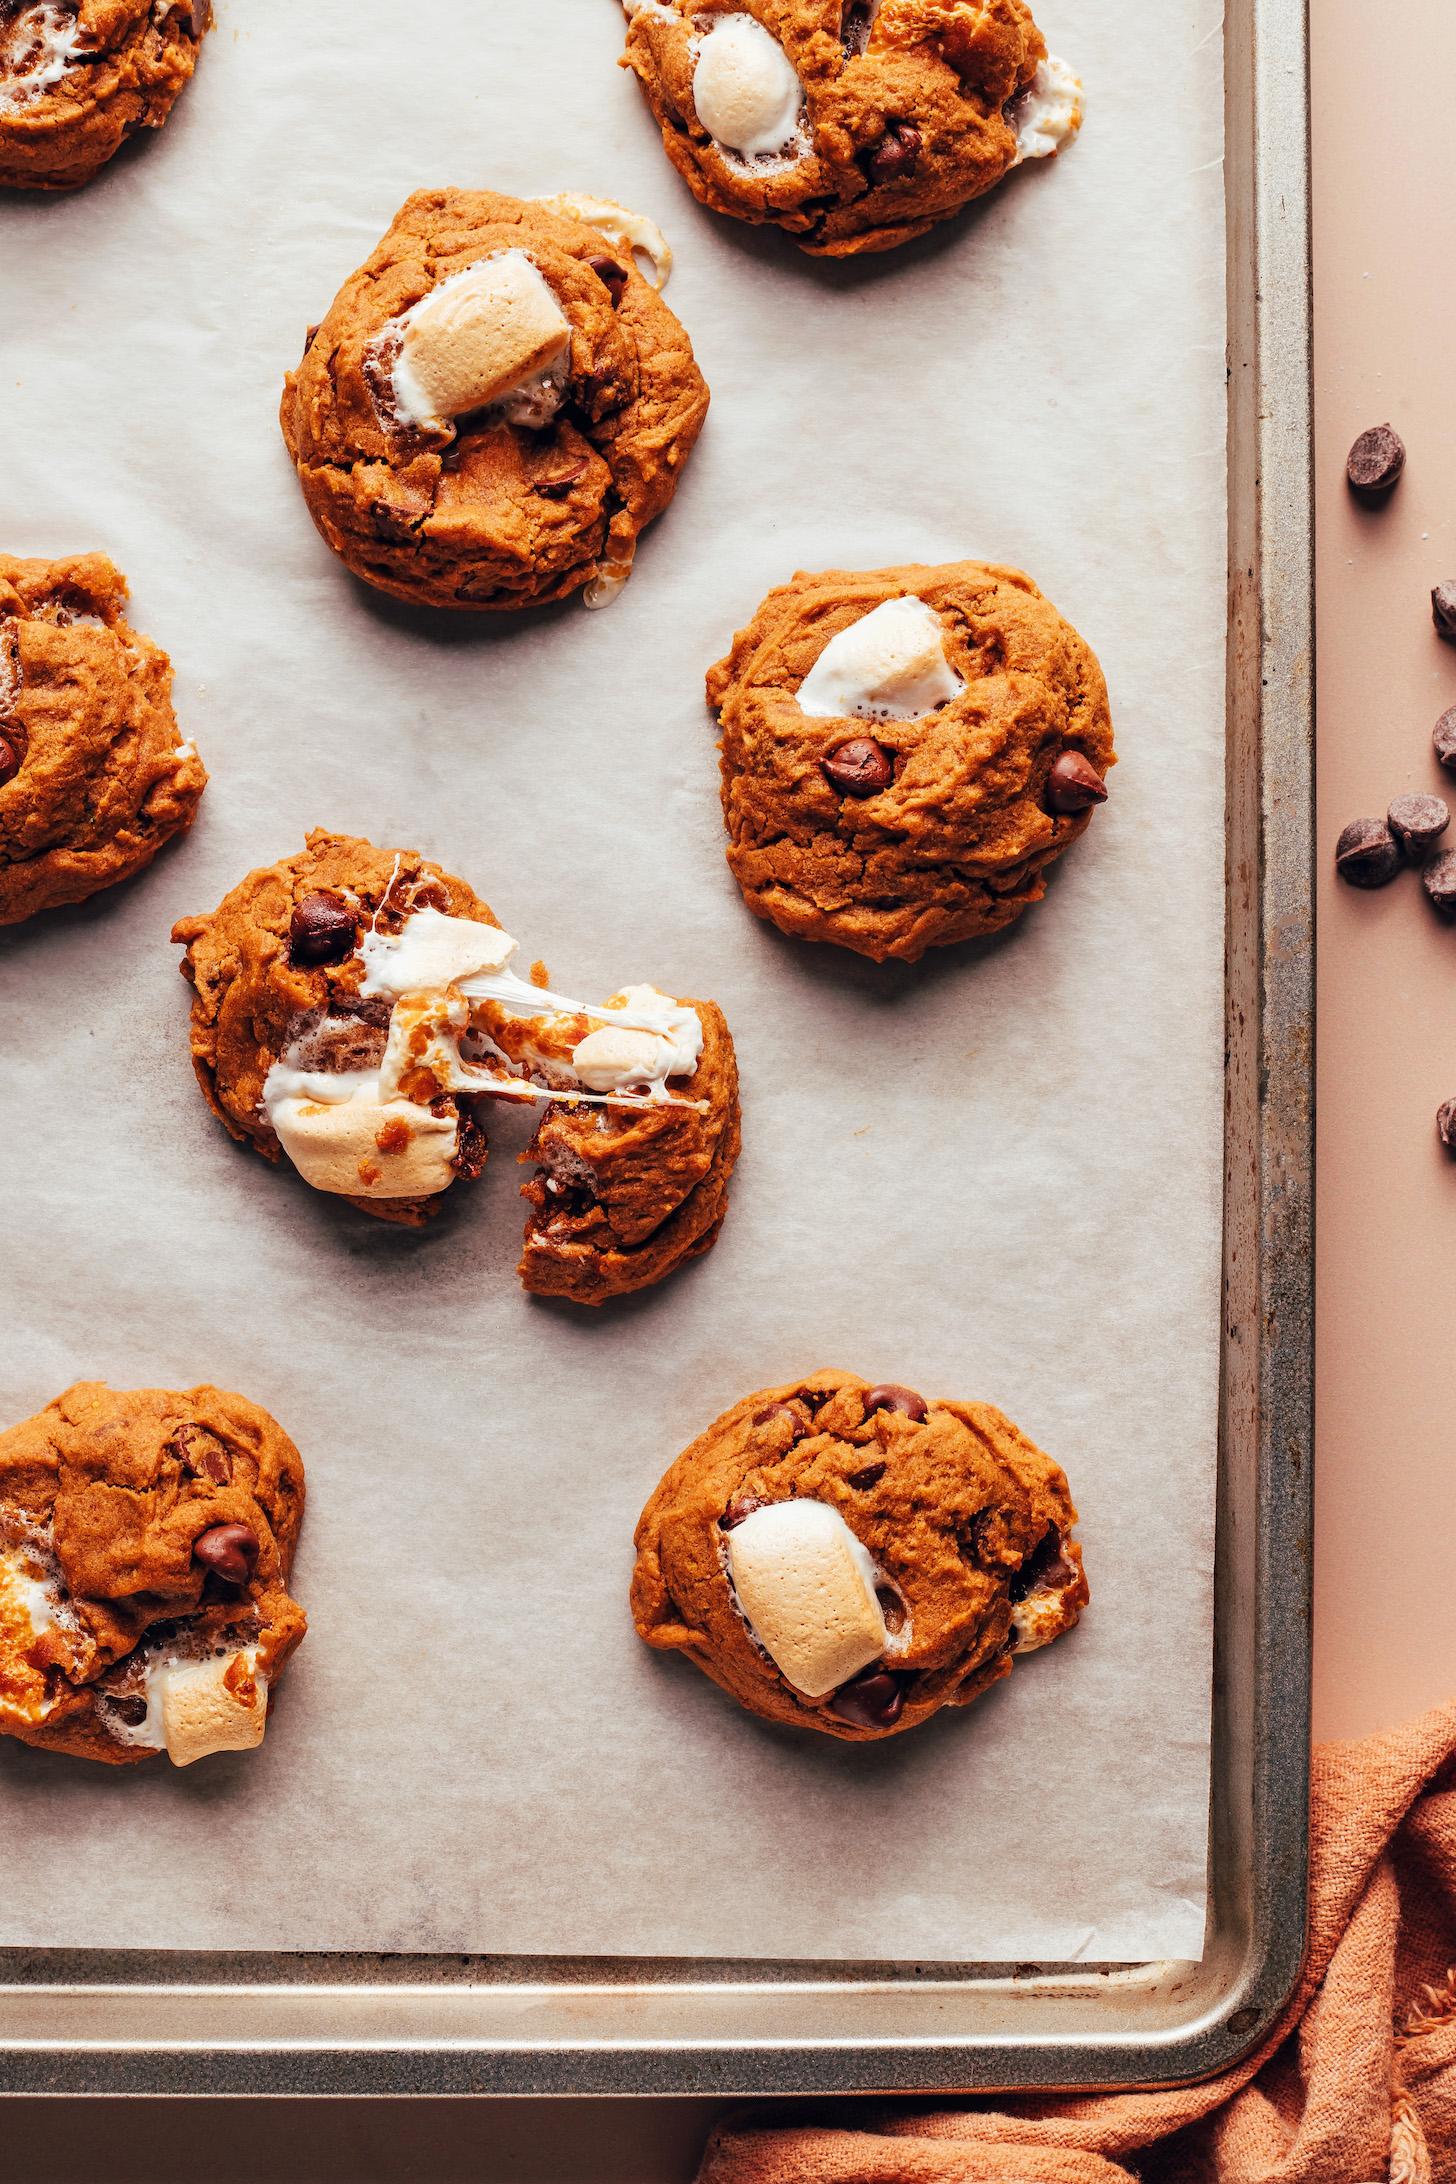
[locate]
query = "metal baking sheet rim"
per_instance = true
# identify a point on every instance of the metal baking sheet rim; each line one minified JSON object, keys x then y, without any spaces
{"x":106,"y":2022}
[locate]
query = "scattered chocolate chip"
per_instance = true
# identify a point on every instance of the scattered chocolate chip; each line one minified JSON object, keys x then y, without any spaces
{"x":228,"y":1551}
{"x":890,"y":1398}
{"x":867,"y":1476}
{"x":897,"y":154}
{"x":1443,"y":611}
{"x":132,"y":1711}
{"x":873,"y":1700}
{"x":1367,"y":853}
{"x":9,"y":761}
{"x":201,"y":1454}
{"x":1074,"y":784}
{"x":1439,"y":882}
{"x":1443,"y":738}
{"x":1376,"y":462}
{"x":741,"y":1506}
{"x":860,"y":767}
{"x":323,"y":930}
{"x":1037,"y":1567}
{"x":1418,"y":822}
{"x":560,"y":483}
{"x":612,"y":276}
{"x":772,"y":1411}
{"x":1446,"y":1126}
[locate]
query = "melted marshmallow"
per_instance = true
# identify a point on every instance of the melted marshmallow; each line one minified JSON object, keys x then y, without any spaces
{"x":629,"y":230}
{"x":889,"y":665}
{"x":1048,"y":113}
{"x":806,"y":1586}
{"x":747,"y":94}
{"x":27,"y":1612}
{"x":36,"y":48}
{"x":191,"y":1709}
{"x":490,"y":337}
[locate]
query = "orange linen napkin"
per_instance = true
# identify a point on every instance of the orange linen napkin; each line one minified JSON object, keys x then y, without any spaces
{"x":1357,"y":2085}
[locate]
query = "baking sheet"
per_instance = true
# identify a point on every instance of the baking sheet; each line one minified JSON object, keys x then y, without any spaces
{"x":994,"y":1175}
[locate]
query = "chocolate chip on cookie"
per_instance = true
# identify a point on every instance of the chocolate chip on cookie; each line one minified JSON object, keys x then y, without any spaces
{"x":1367,"y":854}
{"x":1073,"y":785}
{"x":851,"y":124}
{"x":860,"y":767}
{"x":76,"y":83}
{"x":902,"y":1400}
{"x":1418,"y":822}
{"x":110,"y":1646}
{"x":95,"y":778}
{"x":493,"y":408}
{"x":1375,"y":463}
{"x":836,"y":1595}
{"x":947,"y":688}
{"x":322,"y":930}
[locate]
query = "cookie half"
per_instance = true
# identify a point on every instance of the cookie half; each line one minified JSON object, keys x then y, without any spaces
{"x":852,"y":124}
{"x":851,"y":1559}
{"x":94,"y":774}
{"x":146,"y":1542}
{"x":357,"y":1010}
{"x":904,"y":753}
{"x":78,"y":77}
{"x":497,"y":402}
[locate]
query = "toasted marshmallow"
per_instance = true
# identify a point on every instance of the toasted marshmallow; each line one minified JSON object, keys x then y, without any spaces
{"x":607,"y":1059}
{"x":806,"y":1586}
{"x":26,"y":1613}
{"x":209,"y":1706}
{"x":631,"y":230}
{"x":364,"y":1146}
{"x":1048,"y":113}
{"x":489,"y":333}
{"x":37,"y":45}
{"x":745,"y":88}
{"x":431,"y":953}
{"x":889,"y":665}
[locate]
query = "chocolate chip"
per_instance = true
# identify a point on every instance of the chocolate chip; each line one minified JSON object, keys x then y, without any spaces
{"x":560,"y":483}
{"x":860,"y":767}
{"x":1439,"y":881}
{"x":1376,"y":462}
{"x":854,"y":26}
{"x":228,"y":1551}
{"x":323,"y":930}
{"x":9,"y":761}
{"x":1418,"y":822}
{"x":1367,"y":853}
{"x":1038,"y":1568}
{"x":771,"y":1411}
{"x":1444,"y":739}
{"x":897,"y":154}
{"x":1074,"y":784}
{"x":872,"y":1700}
{"x":612,"y":276}
{"x":1446,"y":1127}
{"x":889,"y":1397}
{"x":867,"y":1476}
{"x":1443,"y":611}
{"x":133,"y":1712}
{"x":741,"y":1506}
{"x":201,"y":1454}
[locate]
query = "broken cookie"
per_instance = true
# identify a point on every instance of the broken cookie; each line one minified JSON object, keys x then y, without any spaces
{"x":905,"y":752}
{"x":497,"y":403}
{"x":78,"y":77}
{"x":356,"y":1011}
{"x":852,"y":1558}
{"x":146,"y":1541}
{"x":852,"y":124}
{"x":94,"y":774}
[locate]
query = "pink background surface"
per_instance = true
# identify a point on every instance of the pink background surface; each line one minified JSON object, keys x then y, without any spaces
{"x":1385,"y":1643}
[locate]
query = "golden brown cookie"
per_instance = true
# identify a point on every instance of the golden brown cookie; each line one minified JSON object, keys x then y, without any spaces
{"x":623,"y":1196}
{"x":496,"y":403}
{"x":146,"y":1540}
{"x":852,"y":124}
{"x":904,"y":753}
{"x":357,"y":1010}
{"x":78,"y":77}
{"x":94,"y":775}
{"x":852,"y":1558}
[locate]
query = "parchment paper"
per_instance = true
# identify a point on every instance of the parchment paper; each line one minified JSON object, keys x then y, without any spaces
{"x":995,"y":1176}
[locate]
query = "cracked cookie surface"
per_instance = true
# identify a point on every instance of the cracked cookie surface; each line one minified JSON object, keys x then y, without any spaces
{"x":496,"y":404}
{"x":904,"y":753}
{"x":78,"y":77}
{"x":94,"y":775}
{"x":851,"y":1559}
{"x":146,"y":1543}
{"x":854,"y":125}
